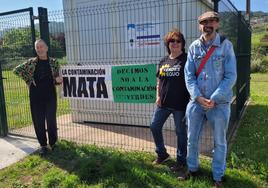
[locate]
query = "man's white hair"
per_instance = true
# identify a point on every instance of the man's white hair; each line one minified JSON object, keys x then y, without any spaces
{"x":40,"y":40}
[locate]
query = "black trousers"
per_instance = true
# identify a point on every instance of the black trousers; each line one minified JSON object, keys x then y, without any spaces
{"x":44,"y":113}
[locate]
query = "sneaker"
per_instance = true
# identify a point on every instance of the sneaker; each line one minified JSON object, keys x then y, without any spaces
{"x":160,"y":160}
{"x":177,"y":167}
{"x":188,"y":174}
{"x":218,"y":184}
{"x":43,"y":150}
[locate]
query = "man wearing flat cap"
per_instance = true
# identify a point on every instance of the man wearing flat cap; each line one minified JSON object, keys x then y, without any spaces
{"x":210,"y":74}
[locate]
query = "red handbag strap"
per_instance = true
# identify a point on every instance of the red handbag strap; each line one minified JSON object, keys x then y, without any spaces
{"x":205,"y":59}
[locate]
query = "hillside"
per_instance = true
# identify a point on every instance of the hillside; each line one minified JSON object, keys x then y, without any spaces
{"x":259,"y":39}
{"x":258,"y":19}
{"x":259,"y":24}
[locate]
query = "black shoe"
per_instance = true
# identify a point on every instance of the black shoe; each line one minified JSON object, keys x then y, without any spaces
{"x":218,"y":184}
{"x":43,"y":150}
{"x":52,"y":147}
{"x":178,"y":166}
{"x":160,"y":160}
{"x":188,"y":174}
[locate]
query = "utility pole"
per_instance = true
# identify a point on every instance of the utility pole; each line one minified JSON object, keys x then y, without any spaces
{"x":247,"y":17}
{"x":216,"y":5}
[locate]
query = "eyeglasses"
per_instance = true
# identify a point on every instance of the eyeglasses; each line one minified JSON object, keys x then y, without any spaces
{"x":174,"y":40}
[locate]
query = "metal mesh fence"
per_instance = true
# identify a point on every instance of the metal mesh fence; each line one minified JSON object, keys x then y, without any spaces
{"x":237,"y":30}
{"x":15,"y":48}
{"x":101,"y":33}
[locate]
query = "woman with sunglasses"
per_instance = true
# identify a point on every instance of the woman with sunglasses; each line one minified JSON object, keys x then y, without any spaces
{"x":172,"y":98}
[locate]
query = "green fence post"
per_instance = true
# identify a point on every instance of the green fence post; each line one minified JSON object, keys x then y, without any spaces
{"x":3,"y":114}
{"x":32,"y":29}
{"x":43,"y":24}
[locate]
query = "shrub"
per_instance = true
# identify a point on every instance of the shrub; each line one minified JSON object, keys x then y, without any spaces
{"x":259,"y":60}
{"x":259,"y":65}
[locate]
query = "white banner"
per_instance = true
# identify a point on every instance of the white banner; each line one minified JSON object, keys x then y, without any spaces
{"x":87,"y":82}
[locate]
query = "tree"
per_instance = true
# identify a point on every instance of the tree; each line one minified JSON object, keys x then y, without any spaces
{"x":18,"y":42}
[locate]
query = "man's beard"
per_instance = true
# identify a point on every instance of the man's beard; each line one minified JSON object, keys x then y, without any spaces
{"x":208,"y":31}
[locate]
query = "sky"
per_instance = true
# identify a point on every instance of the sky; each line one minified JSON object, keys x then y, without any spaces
{"x":10,"y":5}
{"x":255,"y":5}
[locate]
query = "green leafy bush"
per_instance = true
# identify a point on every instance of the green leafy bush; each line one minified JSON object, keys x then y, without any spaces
{"x":259,"y":60}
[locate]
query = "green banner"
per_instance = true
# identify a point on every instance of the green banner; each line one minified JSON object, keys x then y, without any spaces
{"x":134,"y":83}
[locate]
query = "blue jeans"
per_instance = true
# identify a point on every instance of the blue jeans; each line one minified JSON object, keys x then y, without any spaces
{"x":218,"y":118}
{"x":158,"y":120}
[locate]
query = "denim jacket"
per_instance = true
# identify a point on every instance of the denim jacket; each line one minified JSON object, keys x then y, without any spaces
{"x":26,"y":70}
{"x":219,"y":74}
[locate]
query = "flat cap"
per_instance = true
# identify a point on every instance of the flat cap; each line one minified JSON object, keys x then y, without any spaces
{"x":208,"y":15}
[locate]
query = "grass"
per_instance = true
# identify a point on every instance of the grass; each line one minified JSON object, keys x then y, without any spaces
{"x":250,"y":151}
{"x":256,"y":39}
{"x":17,"y":101}
{"x":72,"y":165}
{"x":259,"y":58}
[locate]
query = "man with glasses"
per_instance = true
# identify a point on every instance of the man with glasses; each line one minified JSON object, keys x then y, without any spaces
{"x":210,"y":74}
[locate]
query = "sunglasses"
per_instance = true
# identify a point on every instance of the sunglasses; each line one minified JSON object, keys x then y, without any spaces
{"x":208,"y":21}
{"x":174,"y":40}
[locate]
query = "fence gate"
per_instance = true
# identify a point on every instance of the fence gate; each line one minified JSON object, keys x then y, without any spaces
{"x":17,"y":37}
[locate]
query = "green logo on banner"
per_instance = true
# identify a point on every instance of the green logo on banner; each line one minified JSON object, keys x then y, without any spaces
{"x":134,"y":83}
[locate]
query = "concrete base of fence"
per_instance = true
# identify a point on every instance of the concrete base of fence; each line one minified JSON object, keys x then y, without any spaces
{"x":117,"y":136}
{"x":14,"y":148}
